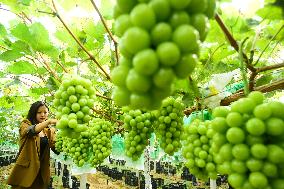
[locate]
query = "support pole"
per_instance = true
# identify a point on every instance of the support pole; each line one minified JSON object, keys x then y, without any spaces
{"x":213,"y":184}
{"x":69,"y":177}
{"x":148,"y":184}
{"x":83,"y":181}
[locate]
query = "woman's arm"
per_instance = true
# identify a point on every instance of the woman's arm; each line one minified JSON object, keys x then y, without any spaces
{"x":39,"y":127}
{"x":31,"y":130}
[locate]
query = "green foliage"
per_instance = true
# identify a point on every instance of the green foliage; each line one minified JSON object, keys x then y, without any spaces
{"x":68,"y":5}
{"x":21,"y":47}
{"x":26,"y":47}
{"x":10,"y":55}
{"x":3,"y":31}
{"x":25,"y":2}
{"x":21,"y":67}
{"x":40,"y":90}
{"x":270,"y":12}
{"x":269,"y":1}
{"x":264,"y":79}
{"x":106,"y":9}
{"x":21,"y":31}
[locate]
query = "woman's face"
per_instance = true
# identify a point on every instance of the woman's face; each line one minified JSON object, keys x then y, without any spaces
{"x":42,"y":114}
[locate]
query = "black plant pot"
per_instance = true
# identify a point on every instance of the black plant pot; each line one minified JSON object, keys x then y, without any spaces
{"x":172,"y":170}
{"x":152,"y":165}
{"x":131,"y":179}
{"x":65,"y":172}
{"x":87,"y":185}
{"x":159,"y":168}
{"x":58,"y":168}
{"x":116,"y":174}
{"x":142,"y":184}
{"x":65,"y":182}
{"x":125,"y":172}
{"x":75,"y":182}
{"x":1,"y":161}
{"x":50,"y":183}
{"x":185,"y":175}
{"x":157,"y":182}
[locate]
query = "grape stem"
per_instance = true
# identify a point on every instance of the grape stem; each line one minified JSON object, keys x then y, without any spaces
{"x":37,"y":68}
{"x":78,"y":42}
{"x":233,"y":42}
{"x":243,"y":68}
{"x":107,"y":116}
{"x":107,"y":29}
{"x":264,"y":88}
{"x":267,"y":45}
{"x":61,"y":66}
{"x":254,"y":71}
{"x":49,"y":68}
{"x":105,"y":97}
{"x":44,"y":66}
{"x":21,"y":16}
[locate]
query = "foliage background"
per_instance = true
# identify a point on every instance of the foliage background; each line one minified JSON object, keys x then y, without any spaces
{"x":36,"y":51}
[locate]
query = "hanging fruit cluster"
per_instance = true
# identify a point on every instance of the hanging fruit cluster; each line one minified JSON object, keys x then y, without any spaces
{"x":197,"y":140}
{"x":159,"y":41}
{"x":249,"y":144}
{"x":74,"y":102}
{"x":168,"y":125}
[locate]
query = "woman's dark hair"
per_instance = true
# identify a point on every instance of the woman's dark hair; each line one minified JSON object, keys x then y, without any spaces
{"x":33,"y":111}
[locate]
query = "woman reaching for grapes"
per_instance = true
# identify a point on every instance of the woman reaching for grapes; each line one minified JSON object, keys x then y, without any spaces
{"x":36,"y":139}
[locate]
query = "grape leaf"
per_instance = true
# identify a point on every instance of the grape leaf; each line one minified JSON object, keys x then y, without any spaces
{"x":107,"y":9}
{"x":188,"y":99}
{"x":42,"y":71}
{"x":11,"y":55}
{"x":21,"y":67}
{"x":39,"y":90}
{"x":3,"y":31}
{"x":52,"y":52}
{"x":269,"y":1}
{"x":21,"y":31}
{"x":21,"y":47}
{"x":270,"y":12}
{"x":25,"y":2}
{"x":40,"y":37}
{"x":70,"y":64}
{"x":264,"y":79}
{"x":181,"y":85}
{"x":61,"y":35}
{"x":52,"y":83}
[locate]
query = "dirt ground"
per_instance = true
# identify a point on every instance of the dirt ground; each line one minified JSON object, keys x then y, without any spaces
{"x":96,"y":181}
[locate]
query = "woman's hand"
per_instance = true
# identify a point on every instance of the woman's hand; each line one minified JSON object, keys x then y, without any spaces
{"x":39,"y":127}
{"x":52,"y":121}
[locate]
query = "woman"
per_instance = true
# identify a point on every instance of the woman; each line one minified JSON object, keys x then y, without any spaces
{"x":36,"y":138}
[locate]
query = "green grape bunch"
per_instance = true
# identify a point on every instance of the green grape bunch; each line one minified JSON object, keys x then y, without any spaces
{"x":249,"y":143}
{"x":59,"y":142}
{"x":101,"y":132}
{"x":74,"y":101}
{"x":159,"y":42}
{"x":168,"y":125}
{"x":197,"y":139}
{"x":79,"y":149}
{"x":66,"y":145}
{"x":138,"y":126}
